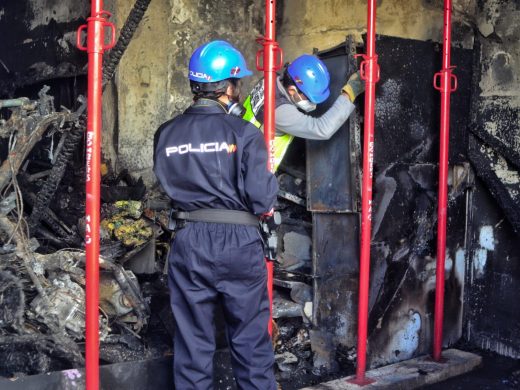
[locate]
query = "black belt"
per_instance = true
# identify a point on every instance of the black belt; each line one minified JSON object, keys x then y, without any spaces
{"x":216,"y":216}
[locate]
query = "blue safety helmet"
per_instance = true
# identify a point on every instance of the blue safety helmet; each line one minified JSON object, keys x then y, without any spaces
{"x":311,"y":77}
{"x":216,"y":61}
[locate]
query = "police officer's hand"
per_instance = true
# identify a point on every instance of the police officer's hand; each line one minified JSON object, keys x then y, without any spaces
{"x":354,"y":87}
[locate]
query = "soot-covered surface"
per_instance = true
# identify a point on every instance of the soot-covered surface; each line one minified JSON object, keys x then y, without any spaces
{"x":404,"y":226}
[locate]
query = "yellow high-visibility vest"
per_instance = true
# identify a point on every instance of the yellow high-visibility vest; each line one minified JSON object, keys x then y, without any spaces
{"x":252,"y":105}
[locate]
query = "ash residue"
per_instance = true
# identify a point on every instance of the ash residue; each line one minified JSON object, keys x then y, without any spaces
{"x":294,"y":364}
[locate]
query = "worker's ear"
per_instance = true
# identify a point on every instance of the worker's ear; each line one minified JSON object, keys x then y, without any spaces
{"x":292,"y":90}
{"x":233,"y":90}
{"x":294,"y":94}
{"x":230,"y":90}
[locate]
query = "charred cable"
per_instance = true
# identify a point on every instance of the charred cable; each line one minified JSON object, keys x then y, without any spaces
{"x":48,"y":190}
{"x":128,"y":30}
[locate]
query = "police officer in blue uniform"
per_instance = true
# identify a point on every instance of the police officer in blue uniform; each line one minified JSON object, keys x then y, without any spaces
{"x":213,"y":166}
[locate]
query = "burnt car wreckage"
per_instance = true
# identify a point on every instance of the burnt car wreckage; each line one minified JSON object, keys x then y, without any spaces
{"x":42,"y":260}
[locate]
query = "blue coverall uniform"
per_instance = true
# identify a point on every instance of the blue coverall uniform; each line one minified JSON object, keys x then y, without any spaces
{"x":205,"y":159}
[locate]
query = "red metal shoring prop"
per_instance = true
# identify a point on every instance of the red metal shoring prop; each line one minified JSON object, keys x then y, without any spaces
{"x":369,"y":70}
{"x":272,"y":61}
{"x":95,"y":27}
{"x":448,"y":84}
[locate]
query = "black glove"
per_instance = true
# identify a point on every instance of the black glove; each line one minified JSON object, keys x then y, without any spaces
{"x":354,"y":86}
{"x":269,"y":224}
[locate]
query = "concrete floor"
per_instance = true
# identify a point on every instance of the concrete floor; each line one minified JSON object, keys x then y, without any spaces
{"x":409,"y":374}
{"x":495,"y":373}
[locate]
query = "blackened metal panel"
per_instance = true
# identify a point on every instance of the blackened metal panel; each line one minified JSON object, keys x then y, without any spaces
{"x":329,"y":172}
{"x":336,"y":271}
{"x":403,"y":263}
{"x":407,"y":105}
{"x":405,"y":198}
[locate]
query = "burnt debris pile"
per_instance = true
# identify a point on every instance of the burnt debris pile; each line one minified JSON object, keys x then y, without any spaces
{"x":42,"y":266}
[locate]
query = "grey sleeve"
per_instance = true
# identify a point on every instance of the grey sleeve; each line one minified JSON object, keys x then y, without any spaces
{"x":292,"y":121}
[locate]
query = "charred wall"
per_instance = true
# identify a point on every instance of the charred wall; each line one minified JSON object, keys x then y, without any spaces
{"x":492,"y":309}
{"x":307,"y":24}
{"x":38,"y":42}
{"x":484,"y":141}
{"x":493,"y":280}
{"x":404,"y":223}
{"x":404,"y":228}
{"x":332,"y":199}
{"x":151,"y":85}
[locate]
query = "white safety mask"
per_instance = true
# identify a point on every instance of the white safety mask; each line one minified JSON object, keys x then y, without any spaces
{"x":303,"y":104}
{"x":306,"y":105}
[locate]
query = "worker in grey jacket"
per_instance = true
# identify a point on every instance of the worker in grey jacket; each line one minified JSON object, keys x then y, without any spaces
{"x":303,"y":84}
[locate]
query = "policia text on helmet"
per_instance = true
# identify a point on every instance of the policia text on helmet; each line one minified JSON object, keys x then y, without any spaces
{"x":215,"y":71}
